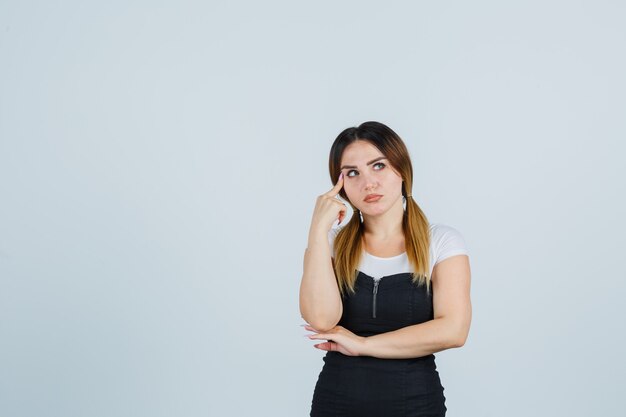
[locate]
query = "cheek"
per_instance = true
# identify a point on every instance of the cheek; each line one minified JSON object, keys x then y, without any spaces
{"x":395,"y":179}
{"x":348,"y":184}
{"x":350,"y":188}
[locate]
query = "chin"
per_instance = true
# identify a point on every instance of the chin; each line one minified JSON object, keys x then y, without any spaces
{"x":376,"y":212}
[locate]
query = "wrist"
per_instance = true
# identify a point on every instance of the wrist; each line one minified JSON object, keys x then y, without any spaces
{"x":364,"y":349}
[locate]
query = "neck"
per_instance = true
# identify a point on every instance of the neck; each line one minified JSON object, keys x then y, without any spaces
{"x":383,"y":226}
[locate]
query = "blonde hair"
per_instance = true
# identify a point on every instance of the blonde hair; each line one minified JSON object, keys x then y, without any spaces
{"x":348,"y":243}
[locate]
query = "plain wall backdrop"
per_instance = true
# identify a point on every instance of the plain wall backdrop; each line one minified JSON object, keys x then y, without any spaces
{"x":160,"y":161}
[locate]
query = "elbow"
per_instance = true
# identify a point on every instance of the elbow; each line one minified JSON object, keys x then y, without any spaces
{"x":452,"y":342}
{"x":458,"y":342}
{"x":322,"y":325}
{"x":322,"y":321}
{"x":459,"y":339}
{"x":457,"y":335}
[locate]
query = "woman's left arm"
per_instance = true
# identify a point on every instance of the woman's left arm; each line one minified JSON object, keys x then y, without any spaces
{"x":452,"y":312}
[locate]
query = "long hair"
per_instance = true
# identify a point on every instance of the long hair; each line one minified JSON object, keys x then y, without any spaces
{"x":348,"y":243}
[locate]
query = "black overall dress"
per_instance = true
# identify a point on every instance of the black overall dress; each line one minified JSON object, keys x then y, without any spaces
{"x":366,"y":386}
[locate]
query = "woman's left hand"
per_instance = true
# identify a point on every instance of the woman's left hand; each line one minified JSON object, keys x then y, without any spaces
{"x":339,"y":339}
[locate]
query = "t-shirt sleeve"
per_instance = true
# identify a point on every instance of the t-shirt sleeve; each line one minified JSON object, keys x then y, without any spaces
{"x":447,"y":242}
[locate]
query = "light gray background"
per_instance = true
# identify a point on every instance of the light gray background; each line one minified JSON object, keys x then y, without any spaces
{"x":160,"y":161}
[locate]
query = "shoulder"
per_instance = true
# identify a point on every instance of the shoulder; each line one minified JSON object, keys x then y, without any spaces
{"x":440,"y":230}
{"x":446,"y":241}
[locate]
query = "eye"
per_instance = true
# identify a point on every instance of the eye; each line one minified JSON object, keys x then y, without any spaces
{"x":349,"y":173}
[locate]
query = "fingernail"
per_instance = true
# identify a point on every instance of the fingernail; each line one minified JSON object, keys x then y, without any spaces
{"x":340,"y":176}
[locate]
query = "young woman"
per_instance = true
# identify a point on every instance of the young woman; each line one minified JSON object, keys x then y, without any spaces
{"x":386,"y":290}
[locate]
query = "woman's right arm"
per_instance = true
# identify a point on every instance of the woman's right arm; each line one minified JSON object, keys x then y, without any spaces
{"x":320,"y":301}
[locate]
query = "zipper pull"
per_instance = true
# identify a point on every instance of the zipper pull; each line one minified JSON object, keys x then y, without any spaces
{"x":376,"y":282}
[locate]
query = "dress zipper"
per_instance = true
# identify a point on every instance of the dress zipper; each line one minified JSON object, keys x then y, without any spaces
{"x":376,"y":282}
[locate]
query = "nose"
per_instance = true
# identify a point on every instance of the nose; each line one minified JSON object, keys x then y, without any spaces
{"x":370,"y":183}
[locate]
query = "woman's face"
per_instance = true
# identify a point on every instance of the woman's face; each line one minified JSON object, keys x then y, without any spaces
{"x":366,"y":173}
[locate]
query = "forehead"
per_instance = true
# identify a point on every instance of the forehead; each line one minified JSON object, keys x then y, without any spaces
{"x":359,"y":153}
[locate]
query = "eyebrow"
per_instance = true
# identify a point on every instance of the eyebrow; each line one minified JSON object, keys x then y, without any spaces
{"x":369,"y":163}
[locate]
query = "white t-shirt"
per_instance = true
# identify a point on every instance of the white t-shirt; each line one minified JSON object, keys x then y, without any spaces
{"x":445,"y":242}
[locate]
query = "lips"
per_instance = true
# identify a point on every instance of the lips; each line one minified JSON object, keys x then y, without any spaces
{"x":371,"y":198}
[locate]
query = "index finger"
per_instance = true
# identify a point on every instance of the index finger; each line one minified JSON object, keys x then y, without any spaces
{"x":335,"y":190}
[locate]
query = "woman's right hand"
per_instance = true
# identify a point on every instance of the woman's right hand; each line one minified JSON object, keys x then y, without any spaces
{"x":328,"y":209}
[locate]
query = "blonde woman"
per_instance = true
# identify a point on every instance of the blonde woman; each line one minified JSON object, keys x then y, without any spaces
{"x":385,"y":291}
